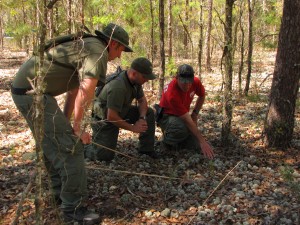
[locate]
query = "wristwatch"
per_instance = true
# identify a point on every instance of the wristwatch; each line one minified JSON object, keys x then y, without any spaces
{"x":143,"y":117}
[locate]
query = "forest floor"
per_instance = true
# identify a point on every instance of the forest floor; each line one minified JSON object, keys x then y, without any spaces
{"x":246,"y":183}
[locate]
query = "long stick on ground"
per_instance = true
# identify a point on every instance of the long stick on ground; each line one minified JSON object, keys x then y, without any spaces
{"x":134,"y":173}
{"x":215,"y":190}
{"x":24,"y":194}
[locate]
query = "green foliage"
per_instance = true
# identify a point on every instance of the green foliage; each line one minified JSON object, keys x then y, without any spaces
{"x":254,"y":98}
{"x":171,"y":68}
{"x":101,"y":20}
{"x":287,"y":174}
{"x":269,"y":44}
{"x":217,"y":98}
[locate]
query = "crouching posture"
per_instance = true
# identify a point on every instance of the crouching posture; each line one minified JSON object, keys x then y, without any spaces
{"x":178,"y":125}
{"x":113,"y":110}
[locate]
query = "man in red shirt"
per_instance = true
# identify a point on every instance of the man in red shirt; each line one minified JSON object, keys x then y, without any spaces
{"x":179,"y":127}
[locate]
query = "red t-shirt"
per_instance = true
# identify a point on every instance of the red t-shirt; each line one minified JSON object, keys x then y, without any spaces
{"x":177,"y":102}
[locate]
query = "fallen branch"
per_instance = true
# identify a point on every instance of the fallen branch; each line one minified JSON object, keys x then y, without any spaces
{"x":214,"y":190}
{"x":134,"y":173}
{"x":24,"y":194}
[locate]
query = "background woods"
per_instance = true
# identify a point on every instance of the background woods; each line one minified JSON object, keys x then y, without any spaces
{"x":246,"y":53}
{"x":248,"y":27}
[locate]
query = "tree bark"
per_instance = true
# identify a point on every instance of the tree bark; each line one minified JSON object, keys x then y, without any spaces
{"x":69,"y":16}
{"x":152,"y":31}
{"x":200,"y":46}
{"x":242,"y":52}
{"x":209,"y":26}
{"x":152,"y":52}
{"x":185,"y":34}
{"x":250,"y":45}
{"x":162,"y":47}
{"x":279,"y":124}
{"x":228,"y":63}
{"x":170,"y":30}
{"x":1,"y":33}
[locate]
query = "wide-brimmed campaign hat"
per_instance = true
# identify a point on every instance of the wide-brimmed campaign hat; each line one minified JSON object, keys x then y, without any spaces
{"x":185,"y":73}
{"x":117,"y":33}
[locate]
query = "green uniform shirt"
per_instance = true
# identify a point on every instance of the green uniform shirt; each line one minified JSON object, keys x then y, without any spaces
{"x":118,"y":95}
{"x":66,"y":64}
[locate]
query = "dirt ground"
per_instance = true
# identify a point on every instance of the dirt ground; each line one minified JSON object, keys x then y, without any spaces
{"x":245,"y":184}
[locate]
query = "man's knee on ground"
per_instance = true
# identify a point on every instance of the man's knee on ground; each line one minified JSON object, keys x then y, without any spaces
{"x":104,"y":155}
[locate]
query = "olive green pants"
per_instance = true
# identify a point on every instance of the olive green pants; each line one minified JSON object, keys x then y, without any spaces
{"x":63,"y":152}
{"x":106,"y":134}
{"x":176,"y":133}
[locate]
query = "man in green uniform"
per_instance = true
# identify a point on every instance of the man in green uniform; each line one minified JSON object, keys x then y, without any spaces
{"x":74,"y":68}
{"x":114,"y":106}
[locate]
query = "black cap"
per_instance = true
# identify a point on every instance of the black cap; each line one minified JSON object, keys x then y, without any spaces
{"x":185,"y":73}
{"x":143,"y":66}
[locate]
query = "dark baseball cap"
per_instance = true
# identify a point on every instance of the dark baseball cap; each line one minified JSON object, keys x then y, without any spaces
{"x":117,"y":33}
{"x":185,"y":73}
{"x":143,"y":66}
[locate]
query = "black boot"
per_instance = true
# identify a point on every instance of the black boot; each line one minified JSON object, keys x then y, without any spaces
{"x":82,"y":216}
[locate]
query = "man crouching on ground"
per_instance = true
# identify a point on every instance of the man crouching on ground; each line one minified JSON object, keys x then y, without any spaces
{"x":113,"y":110}
{"x":179,"y":127}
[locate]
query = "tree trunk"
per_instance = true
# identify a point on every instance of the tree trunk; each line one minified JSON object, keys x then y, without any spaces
{"x":228,"y":63}
{"x":152,"y":31}
{"x":1,"y":33}
{"x":69,"y":16}
{"x":51,"y":24}
{"x":152,"y":38}
{"x":39,"y":108}
{"x":279,"y":122}
{"x":250,"y":46}
{"x":185,"y":34}
{"x":242,"y":51}
{"x":200,"y":52}
{"x":162,"y":47}
{"x":25,"y":38}
{"x":209,"y":25}
{"x":82,"y":12}
{"x":170,"y":30}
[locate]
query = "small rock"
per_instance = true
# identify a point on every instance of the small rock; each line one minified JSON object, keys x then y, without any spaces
{"x":8,"y":159}
{"x":29,"y":156}
{"x":148,"y":213}
{"x":166,"y":212}
{"x":174,"y":214}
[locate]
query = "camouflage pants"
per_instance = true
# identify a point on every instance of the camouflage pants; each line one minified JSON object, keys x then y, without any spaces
{"x":106,"y":134}
{"x":63,"y":153}
{"x":176,"y":133}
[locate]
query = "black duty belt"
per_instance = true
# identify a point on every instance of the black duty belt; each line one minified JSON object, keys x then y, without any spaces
{"x":19,"y":91}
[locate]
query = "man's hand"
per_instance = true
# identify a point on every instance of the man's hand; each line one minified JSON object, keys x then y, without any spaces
{"x":85,"y":137}
{"x":207,"y":150}
{"x":140,"y":126}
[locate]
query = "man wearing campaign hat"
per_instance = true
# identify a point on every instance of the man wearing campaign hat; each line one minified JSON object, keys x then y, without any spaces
{"x":178,"y":125}
{"x":73,"y":67}
{"x":113,"y":110}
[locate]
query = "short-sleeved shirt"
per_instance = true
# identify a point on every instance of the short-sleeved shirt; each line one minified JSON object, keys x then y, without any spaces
{"x":177,"y":102}
{"x":118,"y":95}
{"x":66,"y":64}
